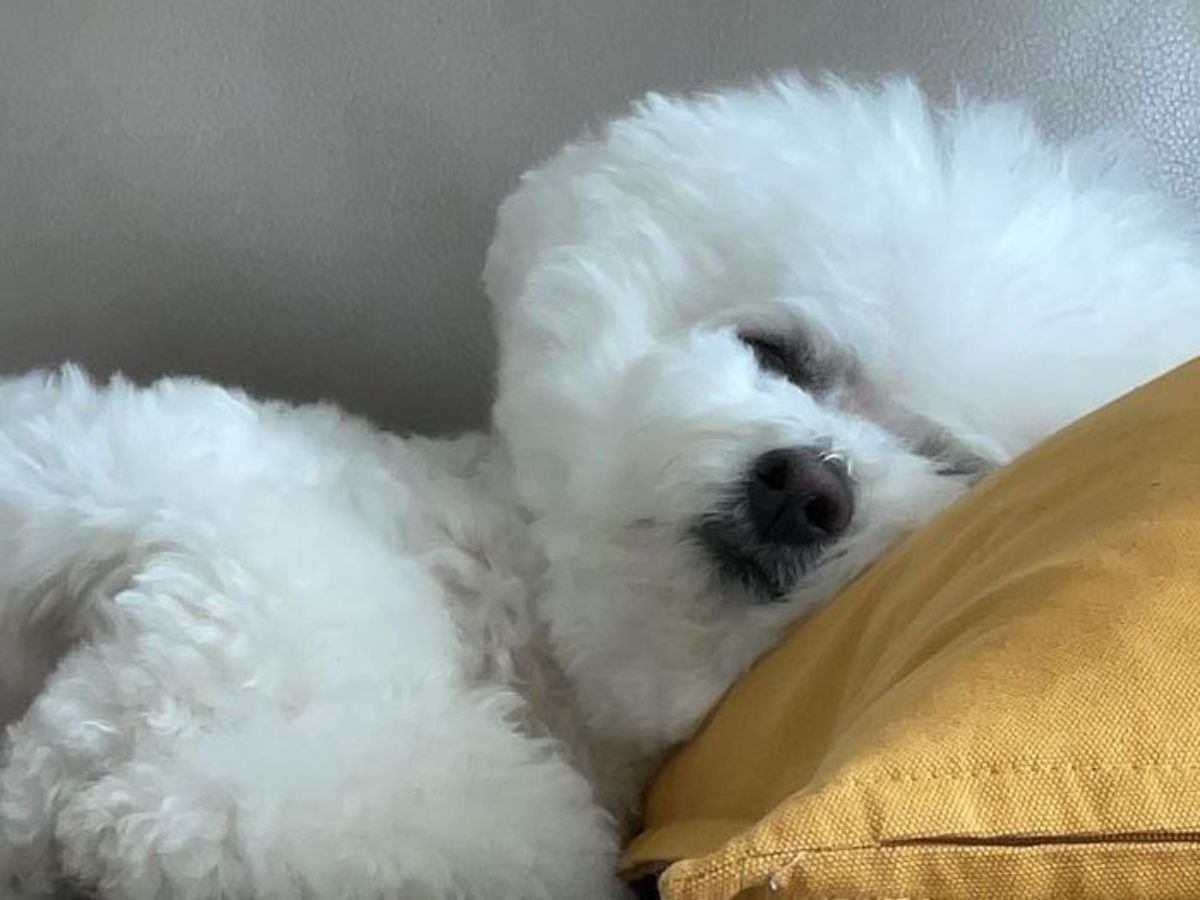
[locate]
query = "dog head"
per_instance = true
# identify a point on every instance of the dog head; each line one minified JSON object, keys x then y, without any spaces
{"x":740,"y":344}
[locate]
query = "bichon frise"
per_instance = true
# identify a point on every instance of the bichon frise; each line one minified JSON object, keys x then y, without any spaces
{"x":748,"y":340}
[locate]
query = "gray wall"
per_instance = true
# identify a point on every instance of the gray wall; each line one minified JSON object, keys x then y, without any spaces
{"x":296,"y":195}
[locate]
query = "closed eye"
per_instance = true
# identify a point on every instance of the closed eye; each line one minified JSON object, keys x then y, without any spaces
{"x":771,"y":355}
{"x":789,"y":359}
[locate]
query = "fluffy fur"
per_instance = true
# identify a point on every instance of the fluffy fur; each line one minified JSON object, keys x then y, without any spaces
{"x":252,"y":650}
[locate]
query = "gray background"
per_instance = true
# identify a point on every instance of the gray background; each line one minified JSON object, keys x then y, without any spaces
{"x":296,"y":195}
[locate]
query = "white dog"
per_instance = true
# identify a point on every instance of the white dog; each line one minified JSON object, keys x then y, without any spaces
{"x":748,"y":340}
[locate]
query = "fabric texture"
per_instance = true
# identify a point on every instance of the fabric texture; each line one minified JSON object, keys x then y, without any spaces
{"x":1008,"y":705}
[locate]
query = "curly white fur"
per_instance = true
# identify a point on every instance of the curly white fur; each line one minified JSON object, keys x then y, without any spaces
{"x":251,"y":650}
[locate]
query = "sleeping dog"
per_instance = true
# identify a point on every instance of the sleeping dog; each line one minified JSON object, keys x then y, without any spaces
{"x":748,"y":340}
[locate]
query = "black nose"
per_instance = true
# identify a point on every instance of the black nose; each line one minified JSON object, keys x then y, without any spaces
{"x":799,"y":496}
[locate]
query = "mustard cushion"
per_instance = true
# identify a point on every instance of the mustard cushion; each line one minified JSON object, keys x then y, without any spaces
{"x":1008,"y":705}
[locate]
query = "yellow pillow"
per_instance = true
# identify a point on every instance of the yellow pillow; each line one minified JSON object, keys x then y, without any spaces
{"x":1008,"y":705}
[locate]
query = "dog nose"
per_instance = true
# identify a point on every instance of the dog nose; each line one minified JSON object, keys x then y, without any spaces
{"x":799,"y":496}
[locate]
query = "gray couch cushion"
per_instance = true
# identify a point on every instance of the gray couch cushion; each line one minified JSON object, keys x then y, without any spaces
{"x":295,"y":195}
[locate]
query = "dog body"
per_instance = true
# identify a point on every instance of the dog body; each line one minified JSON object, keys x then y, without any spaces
{"x":747,"y":342}
{"x":296,"y":646}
